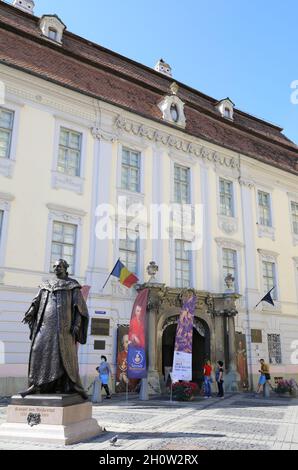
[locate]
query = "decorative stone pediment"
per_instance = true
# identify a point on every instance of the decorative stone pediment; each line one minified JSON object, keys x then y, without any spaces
{"x":172,"y":108}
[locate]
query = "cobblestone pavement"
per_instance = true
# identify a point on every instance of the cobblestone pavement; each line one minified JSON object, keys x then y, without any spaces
{"x":238,"y":422}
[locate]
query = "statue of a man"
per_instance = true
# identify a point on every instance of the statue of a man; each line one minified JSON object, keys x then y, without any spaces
{"x":58,"y":320}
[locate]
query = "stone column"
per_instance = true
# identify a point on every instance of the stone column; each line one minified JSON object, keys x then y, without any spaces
{"x":232,"y":377}
{"x":155,"y":300}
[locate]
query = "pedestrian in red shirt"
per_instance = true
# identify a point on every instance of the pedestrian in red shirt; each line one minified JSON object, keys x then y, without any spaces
{"x":207,"y":379}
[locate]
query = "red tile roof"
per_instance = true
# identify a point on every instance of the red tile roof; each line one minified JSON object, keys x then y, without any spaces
{"x":95,"y":71}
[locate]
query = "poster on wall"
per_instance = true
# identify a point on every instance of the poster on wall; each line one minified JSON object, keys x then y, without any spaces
{"x":241,"y":360}
{"x":122,"y":381}
{"x":182,"y":364}
{"x":136,"y":357}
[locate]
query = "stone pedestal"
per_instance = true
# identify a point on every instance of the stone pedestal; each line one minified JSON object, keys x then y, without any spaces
{"x":153,"y":383}
{"x":53,"y":419}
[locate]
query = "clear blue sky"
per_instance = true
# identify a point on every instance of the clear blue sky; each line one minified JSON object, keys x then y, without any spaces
{"x":247,"y":50}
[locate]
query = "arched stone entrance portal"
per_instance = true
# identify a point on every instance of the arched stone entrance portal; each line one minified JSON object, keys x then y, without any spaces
{"x":201,"y":347}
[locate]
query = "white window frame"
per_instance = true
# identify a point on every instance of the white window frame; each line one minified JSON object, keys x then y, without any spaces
{"x":138,"y":253}
{"x":185,"y":167}
{"x":228,"y":244}
{"x":5,"y":206}
{"x":270,"y":257}
{"x":7,"y":165}
{"x":70,"y":216}
{"x":235,"y":252}
{"x":191,"y":263}
{"x":264,"y":230}
{"x":135,"y":147}
{"x":130,"y":166}
{"x":295,"y":260}
{"x":293,"y":197}
{"x":64,"y":224}
{"x":189,"y":163}
{"x":63,"y":180}
{"x":233,"y":216}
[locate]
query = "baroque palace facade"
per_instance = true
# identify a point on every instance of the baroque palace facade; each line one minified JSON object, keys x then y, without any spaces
{"x":80,"y":126}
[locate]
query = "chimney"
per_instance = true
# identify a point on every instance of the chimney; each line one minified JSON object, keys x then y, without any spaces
{"x":25,"y":5}
{"x":163,"y":68}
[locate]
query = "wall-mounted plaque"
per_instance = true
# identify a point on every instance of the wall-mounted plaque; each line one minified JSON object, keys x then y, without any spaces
{"x":100,"y":327}
{"x":99,"y":345}
{"x":256,"y":336}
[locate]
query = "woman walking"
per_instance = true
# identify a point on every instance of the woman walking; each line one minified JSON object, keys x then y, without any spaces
{"x":219,"y":378}
{"x":105,"y":372}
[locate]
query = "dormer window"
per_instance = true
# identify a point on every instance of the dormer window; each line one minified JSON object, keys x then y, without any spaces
{"x":172,"y":107}
{"x":53,"y":34}
{"x":52,"y":28}
{"x":226,"y":108}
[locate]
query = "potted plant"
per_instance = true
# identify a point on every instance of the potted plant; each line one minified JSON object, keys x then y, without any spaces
{"x":184,"y":391}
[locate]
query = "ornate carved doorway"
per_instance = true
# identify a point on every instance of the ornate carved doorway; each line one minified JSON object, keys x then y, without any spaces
{"x":201,"y":348}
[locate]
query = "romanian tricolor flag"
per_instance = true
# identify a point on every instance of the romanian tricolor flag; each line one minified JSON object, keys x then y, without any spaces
{"x":126,"y":278}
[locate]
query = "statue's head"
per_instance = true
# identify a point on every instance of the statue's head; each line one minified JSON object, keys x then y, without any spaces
{"x":60,"y":268}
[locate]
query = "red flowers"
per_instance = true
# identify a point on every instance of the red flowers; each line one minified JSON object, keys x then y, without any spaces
{"x":184,"y":391}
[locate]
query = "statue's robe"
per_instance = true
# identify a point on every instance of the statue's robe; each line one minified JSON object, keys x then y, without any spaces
{"x":55,"y":311}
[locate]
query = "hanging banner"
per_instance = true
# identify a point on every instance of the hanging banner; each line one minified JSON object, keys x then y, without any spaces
{"x":122,"y":381}
{"x":182,"y":364}
{"x":136,"y":357}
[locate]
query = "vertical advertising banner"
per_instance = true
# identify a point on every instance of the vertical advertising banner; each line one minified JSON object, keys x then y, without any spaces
{"x":182,"y":364}
{"x":122,"y":381}
{"x":136,"y":358}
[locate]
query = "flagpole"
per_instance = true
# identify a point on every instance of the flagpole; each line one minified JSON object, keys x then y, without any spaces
{"x":263,"y":297}
{"x":110,"y":274}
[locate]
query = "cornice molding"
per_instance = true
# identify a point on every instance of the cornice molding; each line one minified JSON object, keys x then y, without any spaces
{"x":178,"y":143}
{"x":66,"y":210}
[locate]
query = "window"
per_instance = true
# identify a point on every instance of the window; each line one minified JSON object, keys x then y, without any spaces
{"x":228,"y":113}
{"x":69,"y":159}
{"x":269,"y":278}
{"x":129,"y":250}
{"x":294,"y":207}
{"x":182,"y":184}
{"x":274,"y":349}
{"x":53,"y":34}
{"x":64,"y":244}
{"x":1,"y":222}
{"x":264,"y":209}
{"x":226,"y":197}
{"x":174,"y":113}
{"x":229,"y":259}
{"x":182,"y":263}
{"x":6,"y":126}
{"x":130,"y":174}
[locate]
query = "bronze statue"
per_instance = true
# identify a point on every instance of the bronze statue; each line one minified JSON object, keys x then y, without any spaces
{"x":58,"y":320}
